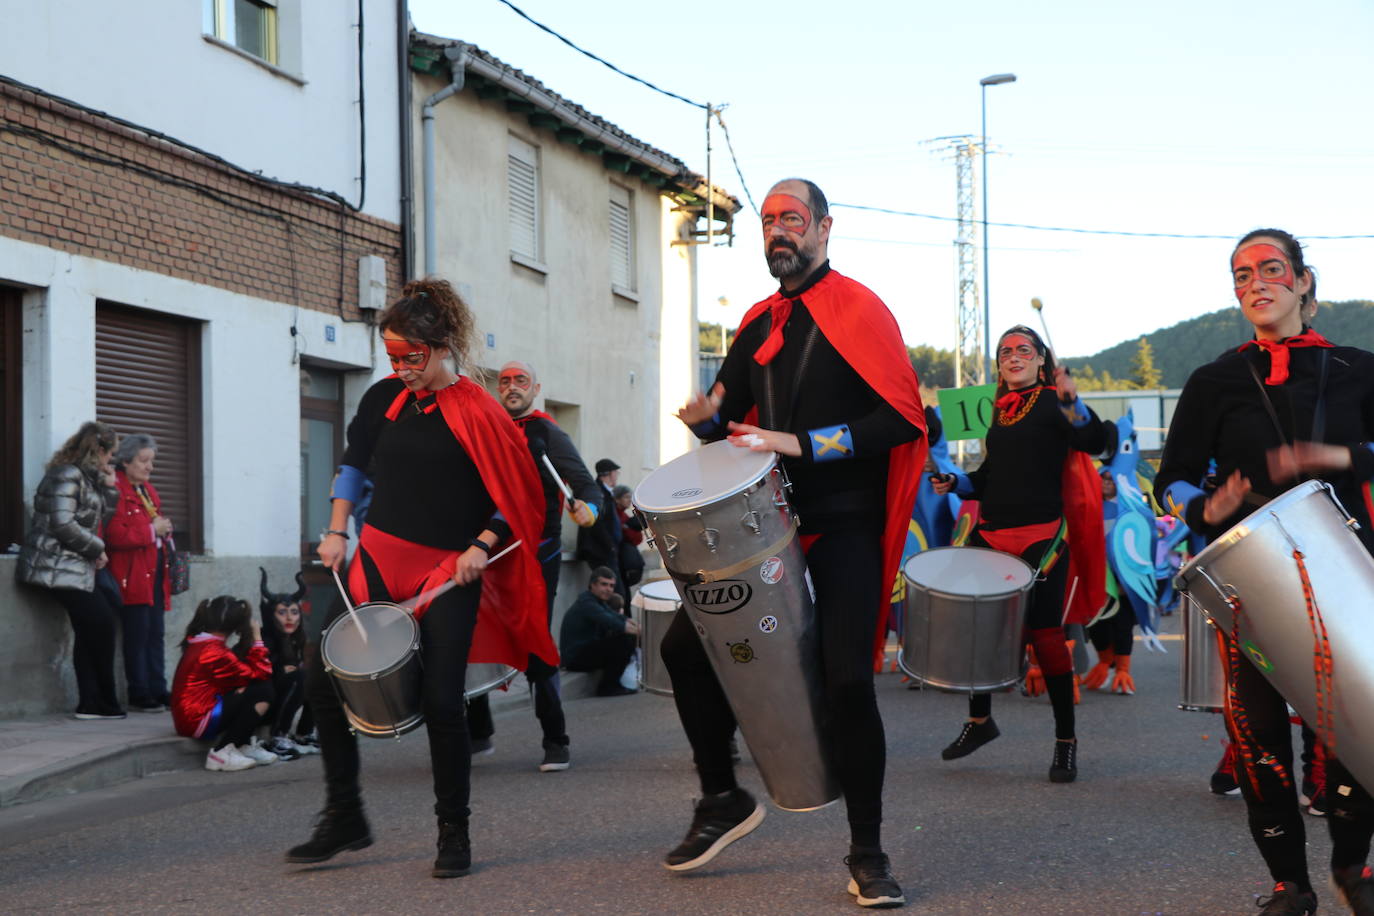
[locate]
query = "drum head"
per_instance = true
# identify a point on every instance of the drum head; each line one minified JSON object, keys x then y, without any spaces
{"x":660,"y":590}
{"x":388,"y":633}
{"x":700,"y":478}
{"x":969,"y":571}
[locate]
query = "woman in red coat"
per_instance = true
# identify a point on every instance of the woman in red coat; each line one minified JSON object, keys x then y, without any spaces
{"x":139,"y":541}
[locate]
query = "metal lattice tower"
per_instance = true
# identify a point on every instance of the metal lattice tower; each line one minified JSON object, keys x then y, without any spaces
{"x":968,"y":356}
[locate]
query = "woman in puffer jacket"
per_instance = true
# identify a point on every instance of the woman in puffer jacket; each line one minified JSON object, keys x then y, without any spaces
{"x":63,"y":551}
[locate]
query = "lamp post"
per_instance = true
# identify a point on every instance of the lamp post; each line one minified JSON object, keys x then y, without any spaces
{"x":989,"y":358}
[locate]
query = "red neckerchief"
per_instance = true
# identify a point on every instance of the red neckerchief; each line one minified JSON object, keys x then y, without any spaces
{"x":779,"y":312}
{"x":1278,"y":352}
{"x":1013,"y":401}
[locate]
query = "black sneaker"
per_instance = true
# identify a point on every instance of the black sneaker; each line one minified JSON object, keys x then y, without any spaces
{"x":1355,"y":888}
{"x":483,"y":747}
{"x":336,"y":830}
{"x":1064,"y":766}
{"x":283,"y":747}
{"x":1288,"y":901}
{"x":616,"y":690}
{"x":146,"y":706}
{"x":556,"y":757}
{"x":717,"y":822}
{"x":871,"y":881}
{"x":455,"y":852}
{"x":974,"y":736}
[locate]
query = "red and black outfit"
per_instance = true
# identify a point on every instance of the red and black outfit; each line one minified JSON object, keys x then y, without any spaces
{"x":826,"y":362}
{"x":139,"y":561}
{"x":206,"y":702}
{"x":1221,"y":415}
{"x":445,"y":466}
{"x":1039,"y":499}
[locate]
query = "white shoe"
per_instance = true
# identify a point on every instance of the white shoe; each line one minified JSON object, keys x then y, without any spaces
{"x":258,"y":754}
{"x":304,"y":749}
{"x":228,"y":759}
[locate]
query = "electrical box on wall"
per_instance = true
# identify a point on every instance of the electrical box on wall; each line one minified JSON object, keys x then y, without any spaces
{"x":371,"y":283}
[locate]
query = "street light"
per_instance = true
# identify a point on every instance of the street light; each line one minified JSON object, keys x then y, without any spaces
{"x":996,"y":79}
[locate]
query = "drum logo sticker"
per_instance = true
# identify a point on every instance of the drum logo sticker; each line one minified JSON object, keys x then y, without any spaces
{"x":1261,"y":660}
{"x":771,"y":571}
{"x":768,"y":624}
{"x":687,"y":493}
{"x":741,"y":652}
{"x":701,"y":631}
{"x":723,"y":597}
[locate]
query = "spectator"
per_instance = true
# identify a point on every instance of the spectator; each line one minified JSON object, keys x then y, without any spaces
{"x":599,"y":545}
{"x":285,"y":640}
{"x":220,"y":694}
{"x":594,"y":636}
{"x":632,"y":535}
{"x":139,"y":540}
{"x":65,"y":553}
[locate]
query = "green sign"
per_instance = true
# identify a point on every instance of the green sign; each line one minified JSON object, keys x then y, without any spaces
{"x":966,"y":412}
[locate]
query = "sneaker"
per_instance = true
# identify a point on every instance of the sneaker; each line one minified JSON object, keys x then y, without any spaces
{"x":146,"y":706}
{"x":283,"y":747}
{"x":336,"y":830}
{"x":1288,"y":901}
{"x":717,"y":821}
{"x":305,"y":744}
{"x":455,"y":852}
{"x":1064,"y":766}
{"x":871,"y":881}
{"x":483,"y":747}
{"x":556,"y":757}
{"x":616,"y":690}
{"x":227,"y":760}
{"x":974,"y":736}
{"x":1224,"y":779}
{"x":1355,"y":888}
{"x":259,"y":754}
{"x":1317,"y":806}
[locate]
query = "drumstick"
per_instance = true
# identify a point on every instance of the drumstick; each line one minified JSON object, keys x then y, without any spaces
{"x":567,"y":490}
{"x":1069,"y":603}
{"x":357,"y":621}
{"x":425,"y":597}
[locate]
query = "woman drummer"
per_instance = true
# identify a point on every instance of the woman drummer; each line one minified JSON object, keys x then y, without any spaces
{"x":1285,"y":404}
{"x":453,"y":480}
{"x":1040,"y":428}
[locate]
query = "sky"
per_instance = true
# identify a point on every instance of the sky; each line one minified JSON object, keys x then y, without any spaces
{"x":1185,"y":118}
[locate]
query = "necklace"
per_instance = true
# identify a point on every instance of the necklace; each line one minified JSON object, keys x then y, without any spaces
{"x":1005,"y":418}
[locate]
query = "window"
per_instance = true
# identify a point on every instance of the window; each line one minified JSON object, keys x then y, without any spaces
{"x":147,"y":380}
{"x":250,"y":25}
{"x":622,"y":239}
{"x":11,"y":457}
{"x":322,"y":437}
{"x":522,"y":177}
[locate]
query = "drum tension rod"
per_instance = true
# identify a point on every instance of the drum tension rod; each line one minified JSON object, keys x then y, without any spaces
{"x":1284,"y":531}
{"x":752,"y":522}
{"x":710,"y":537}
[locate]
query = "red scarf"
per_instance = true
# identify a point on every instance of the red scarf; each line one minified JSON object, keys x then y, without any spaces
{"x":779,"y":312}
{"x":1278,"y":352}
{"x":1013,"y":401}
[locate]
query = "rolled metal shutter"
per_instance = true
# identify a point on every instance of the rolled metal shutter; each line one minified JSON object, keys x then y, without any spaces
{"x":147,"y":380}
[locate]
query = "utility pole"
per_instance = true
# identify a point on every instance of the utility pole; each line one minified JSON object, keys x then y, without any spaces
{"x":969,"y":363}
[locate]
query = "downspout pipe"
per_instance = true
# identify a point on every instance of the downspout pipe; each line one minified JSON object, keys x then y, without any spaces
{"x":458,"y":56}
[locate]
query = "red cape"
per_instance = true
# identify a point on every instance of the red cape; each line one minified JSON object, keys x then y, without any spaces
{"x":512,"y":618}
{"x":864,"y":333}
{"x":1082,"y":495}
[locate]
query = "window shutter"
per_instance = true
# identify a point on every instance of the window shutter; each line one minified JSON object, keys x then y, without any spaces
{"x":522,"y":176}
{"x":147,"y":380}
{"x":622,"y":257}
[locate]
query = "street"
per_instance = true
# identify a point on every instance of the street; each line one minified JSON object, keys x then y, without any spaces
{"x":1138,"y":833}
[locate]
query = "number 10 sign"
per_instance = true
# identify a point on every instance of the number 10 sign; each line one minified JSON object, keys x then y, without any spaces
{"x":966,"y":412}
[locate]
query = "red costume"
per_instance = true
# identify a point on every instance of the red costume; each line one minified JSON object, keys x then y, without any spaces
{"x":132,"y":546}
{"x":208,"y":670}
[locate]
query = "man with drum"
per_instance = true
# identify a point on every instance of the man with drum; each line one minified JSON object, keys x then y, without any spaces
{"x":817,"y":373}
{"x":516,"y":388}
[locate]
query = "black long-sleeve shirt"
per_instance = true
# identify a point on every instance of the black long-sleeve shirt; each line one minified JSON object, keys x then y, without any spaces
{"x":1221,"y":415}
{"x":546,"y":438}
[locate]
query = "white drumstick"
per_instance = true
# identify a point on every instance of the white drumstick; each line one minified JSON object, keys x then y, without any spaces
{"x":567,"y":490}
{"x":425,"y":597}
{"x":357,"y":621}
{"x":1069,"y":603}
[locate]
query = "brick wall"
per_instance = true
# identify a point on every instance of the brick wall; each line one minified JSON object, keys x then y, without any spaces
{"x":75,"y":181}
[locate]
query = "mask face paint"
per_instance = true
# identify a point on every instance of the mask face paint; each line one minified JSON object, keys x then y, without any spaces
{"x":1262,"y":260}
{"x":407,"y":355}
{"x":1018,"y":346}
{"x":786,"y":211}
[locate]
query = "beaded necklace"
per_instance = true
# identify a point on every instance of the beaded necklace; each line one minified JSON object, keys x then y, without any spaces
{"x":1009,"y":419}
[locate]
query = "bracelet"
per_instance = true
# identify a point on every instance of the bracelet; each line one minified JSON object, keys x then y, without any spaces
{"x":478,"y":542}
{"x":328,"y":531}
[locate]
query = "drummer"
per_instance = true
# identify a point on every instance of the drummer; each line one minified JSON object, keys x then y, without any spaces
{"x":453,"y":481}
{"x":1322,"y":397}
{"x":852,"y":449}
{"x":1040,"y":500}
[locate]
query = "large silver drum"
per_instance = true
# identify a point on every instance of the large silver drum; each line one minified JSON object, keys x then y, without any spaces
{"x":653,"y":607}
{"x":963,"y":617}
{"x":1203,"y":687}
{"x":1249,"y":583}
{"x":484,"y":677}
{"x":720,"y":519}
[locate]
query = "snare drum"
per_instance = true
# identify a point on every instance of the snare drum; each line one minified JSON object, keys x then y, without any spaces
{"x":484,"y":677}
{"x":1203,"y":687}
{"x":653,"y":607}
{"x":377,"y":672}
{"x":720,"y":519}
{"x":964,"y":613}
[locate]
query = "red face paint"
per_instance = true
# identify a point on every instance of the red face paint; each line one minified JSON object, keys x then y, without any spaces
{"x":1266,"y":262}
{"x":786,"y":211}
{"x":1016,"y":345}
{"x":406,"y":355}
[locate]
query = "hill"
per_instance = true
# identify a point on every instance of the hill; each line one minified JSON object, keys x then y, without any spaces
{"x":1181,"y":348}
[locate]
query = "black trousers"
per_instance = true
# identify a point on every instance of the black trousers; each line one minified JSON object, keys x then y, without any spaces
{"x":610,"y":655}
{"x":93,"y":619}
{"x":238,"y":718}
{"x":445,"y":638}
{"x":846,"y":570}
{"x":289,"y":699}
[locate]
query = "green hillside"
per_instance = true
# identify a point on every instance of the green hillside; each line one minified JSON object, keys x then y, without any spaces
{"x":1180,"y":349}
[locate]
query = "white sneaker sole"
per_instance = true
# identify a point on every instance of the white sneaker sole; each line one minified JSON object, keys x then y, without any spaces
{"x":228,"y":768}
{"x":874,"y":901}
{"x":740,"y":830}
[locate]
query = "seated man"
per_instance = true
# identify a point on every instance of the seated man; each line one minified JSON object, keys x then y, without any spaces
{"x":594,"y":636}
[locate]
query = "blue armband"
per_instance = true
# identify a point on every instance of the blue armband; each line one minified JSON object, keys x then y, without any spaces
{"x":707,"y":428}
{"x":348,"y":484}
{"x":963,"y":487}
{"x":1078,"y":413}
{"x":596,"y":510}
{"x":1177,"y":496}
{"x":831,"y":443}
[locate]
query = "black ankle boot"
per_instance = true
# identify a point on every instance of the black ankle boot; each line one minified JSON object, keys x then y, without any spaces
{"x":337,"y":829}
{"x":455,"y":852}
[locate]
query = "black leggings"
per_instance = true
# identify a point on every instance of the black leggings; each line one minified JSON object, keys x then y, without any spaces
{"x":1117,"y":632}
{"x":289,"y":687}
{"x":93,"y":648}
{"x":846,"y":570}
{"x":238,"y":719}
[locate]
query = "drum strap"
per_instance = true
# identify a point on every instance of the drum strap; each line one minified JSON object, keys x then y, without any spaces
{"x":1318,"y":407}
{"x":702,"y":576}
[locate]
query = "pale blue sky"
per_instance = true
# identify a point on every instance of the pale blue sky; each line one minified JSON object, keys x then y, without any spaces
{"x":1180,"y":117}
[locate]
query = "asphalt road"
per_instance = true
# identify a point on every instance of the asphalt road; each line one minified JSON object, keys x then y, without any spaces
{"x":1138,"y":833}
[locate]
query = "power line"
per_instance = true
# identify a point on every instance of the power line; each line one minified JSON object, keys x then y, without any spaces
{"x":1150,"y":235}
{"x":731,"y":147}
{"x":600,"y":60}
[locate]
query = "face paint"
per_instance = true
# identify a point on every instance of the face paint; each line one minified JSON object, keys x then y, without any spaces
{"x":515,"y":378}
{"x":1016,"y":345}
{"x":406,"y":355}
{"x":288,"y":617}
{"x":786,"y":211}
{"x":1265,"y":261}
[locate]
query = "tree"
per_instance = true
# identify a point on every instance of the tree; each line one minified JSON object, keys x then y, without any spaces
{"x":1143,"y":371}
{"x":708,"y":337}
{"x":1086,"y":379}
{"x":935,"y":367}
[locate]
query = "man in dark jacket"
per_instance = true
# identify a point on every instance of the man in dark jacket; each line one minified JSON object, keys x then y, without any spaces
{"x":595,"y":636}
{"x":599,"y":545}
